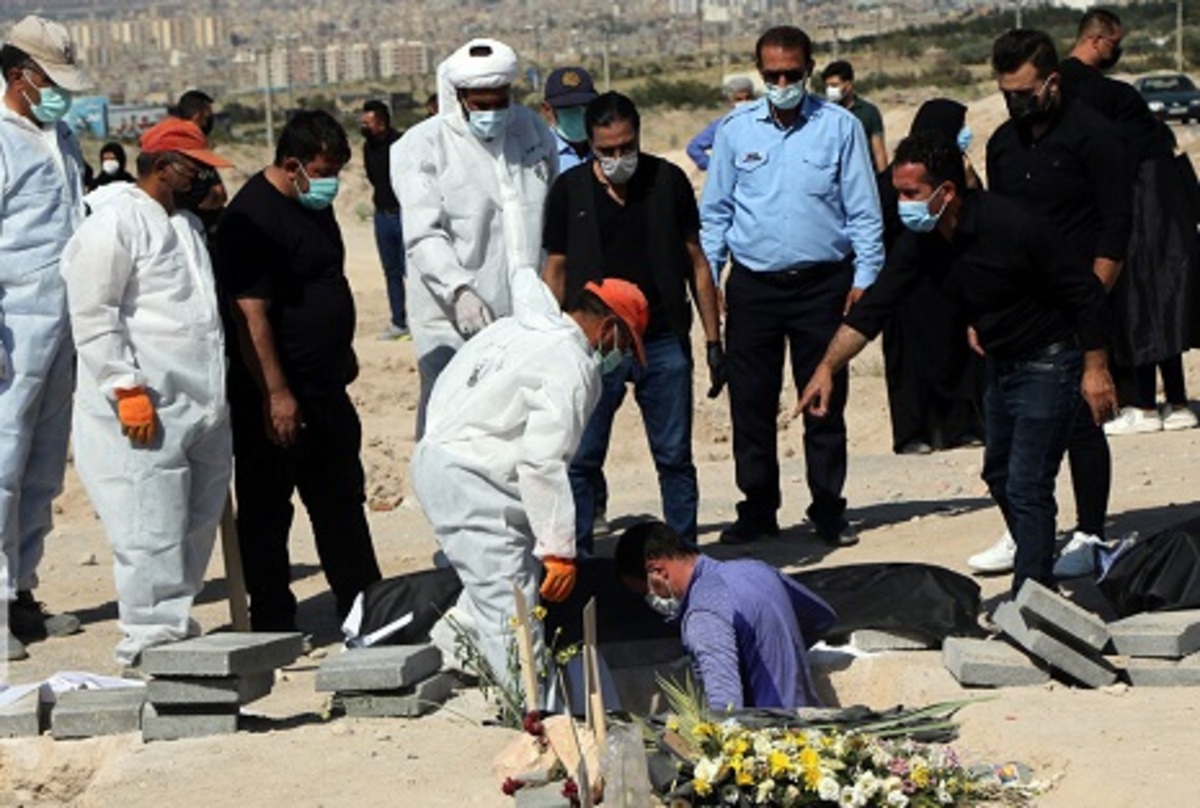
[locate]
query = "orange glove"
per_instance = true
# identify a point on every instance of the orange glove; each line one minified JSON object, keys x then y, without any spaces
{"x":136,"y":414}
{"x":559,"y":580}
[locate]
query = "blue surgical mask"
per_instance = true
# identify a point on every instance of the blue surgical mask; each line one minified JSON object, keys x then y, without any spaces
{"x":916,"y":216}
{"x":610,"y":361}
{"x":54,"y":103}
{"x":487,"y":124}
{"x":321,"y":191}
{"x":965,"y":135}
{"x":788,"y":97}
{"x":570,"y":126}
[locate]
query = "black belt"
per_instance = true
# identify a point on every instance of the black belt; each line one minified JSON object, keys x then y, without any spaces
{"x":792,"y":277}
{"x":1053,"y":349}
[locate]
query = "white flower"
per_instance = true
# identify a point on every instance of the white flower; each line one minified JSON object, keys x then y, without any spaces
{"x":868,"y":783}
{"x":763,"y":797}
{"x":897,"y":799}
{"x":730,"y":794}
{"x":828,"y":789}
{"x":852,"y":797}
{"x":944,"y":796}
{"x":708,"y":768}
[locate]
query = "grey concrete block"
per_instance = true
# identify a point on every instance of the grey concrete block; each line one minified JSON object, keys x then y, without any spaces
{"x":869,"y":639}
{"x":409,"y":702}
{"x":92,"y":713}
{"x":547,"y":796}
{"x":209,"y":689}
{"x":987,"y":663}
{"x":1170,"y":635}
{"x":160,"y":723}
{"x":1089,"y":670}
{"x":1055,"y":615}
{"x":1145,"y":672}
{"x":224,"y":654}
{"x":24,"y":718}
{"x":388,"y":667}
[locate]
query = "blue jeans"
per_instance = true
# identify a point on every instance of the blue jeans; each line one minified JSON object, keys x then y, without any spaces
{"x":1030,"y":408}
{"x":389,"y":240}
{"x":663,"y":390}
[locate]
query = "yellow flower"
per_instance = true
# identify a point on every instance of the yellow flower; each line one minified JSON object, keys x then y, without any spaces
{"x":778,"y":763}
{"x":539,"y":612}
{"x":809,"y":758}
{"x":513,"y":622}
{"x":744,"y":777}
{"x":737,"y":747}
{"x":920,"y":776}
{"x":673,"y":724}
{"x":812,"y":778}
{"x":703,"y":787}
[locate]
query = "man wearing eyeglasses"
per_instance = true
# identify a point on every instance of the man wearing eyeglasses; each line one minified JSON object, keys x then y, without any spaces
{"x":791,"y":199}
{"x":41,"y":174}
{"x":152,"y":437}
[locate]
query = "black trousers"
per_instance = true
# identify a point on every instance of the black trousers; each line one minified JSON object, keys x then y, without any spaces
{"x":1091,"y":472}
{"x":798,"y":311}
{"x":324,"y":466}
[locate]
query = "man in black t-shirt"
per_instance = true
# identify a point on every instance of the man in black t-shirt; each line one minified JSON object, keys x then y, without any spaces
{"x":378,"y":137}
{"x":631,"y":215}
{"x":282,"y":262}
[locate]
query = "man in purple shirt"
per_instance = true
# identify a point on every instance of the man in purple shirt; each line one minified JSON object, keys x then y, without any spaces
{"x":746,"y":625}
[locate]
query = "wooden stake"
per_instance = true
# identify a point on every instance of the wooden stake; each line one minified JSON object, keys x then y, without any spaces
{"x":235,"y":578}
{"x":525,"y":651}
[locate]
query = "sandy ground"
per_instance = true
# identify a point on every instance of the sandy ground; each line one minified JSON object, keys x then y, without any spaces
{"x":1117,"y":747}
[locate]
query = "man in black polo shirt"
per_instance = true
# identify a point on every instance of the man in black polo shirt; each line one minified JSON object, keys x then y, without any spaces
{"x":282,"y":262}
{"x":631,"y":215}
{"x":1039,"y":317}
{"x":1067,"y":164}
{"x":375,"y":126}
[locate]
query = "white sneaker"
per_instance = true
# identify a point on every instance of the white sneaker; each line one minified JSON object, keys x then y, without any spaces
{"x":997,"y":558}
{"x":1078,"y":557}
{"x":1134,"y":421}
{"x":1178,"y":417}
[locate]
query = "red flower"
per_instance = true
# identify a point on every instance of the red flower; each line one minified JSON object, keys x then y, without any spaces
{"x":533,"y":724}
{"x":570,"y":789}
{"x":512,"y":786}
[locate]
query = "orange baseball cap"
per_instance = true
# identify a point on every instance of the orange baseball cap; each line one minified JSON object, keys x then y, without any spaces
{"x":178,"y":135}
{"x":629,"y":304}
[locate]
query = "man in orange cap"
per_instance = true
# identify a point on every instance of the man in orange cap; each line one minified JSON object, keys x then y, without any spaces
{"x":152,"y":439}
{"x":504,"y":420}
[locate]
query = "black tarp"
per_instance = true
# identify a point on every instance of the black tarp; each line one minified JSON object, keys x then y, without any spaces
{"x":920,"y":599}
{"x":1158,"y":573}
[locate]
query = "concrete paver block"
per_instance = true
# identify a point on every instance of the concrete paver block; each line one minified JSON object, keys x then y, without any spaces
{"x":160,"y":723}
{"x":1092,"y":671}
{"x":1053,"y":614}
{"x":388,"y":667}
{"x":1170,"y":635}
{"x":24,"y":718}
{"x":988,"y":663}
{"x":410,"y":702}
{"x":1144,"y":672}
{"x":871,"y":640}
{"x":209,"y":689}
{"x":92,"y":713}
{"x":224,"y":654}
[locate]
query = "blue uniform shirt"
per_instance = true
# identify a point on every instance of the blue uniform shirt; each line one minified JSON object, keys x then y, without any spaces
{"x":787,"y":198}
{"x":747,"y":627}
{"x":699,"y":146}
{"x":567,"y":158}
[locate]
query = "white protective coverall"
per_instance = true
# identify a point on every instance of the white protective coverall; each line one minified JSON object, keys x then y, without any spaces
{"x":505,"y":418}
{"x":471,"y":209}
{"x":41,"y":191}
{"x":144,"y":313}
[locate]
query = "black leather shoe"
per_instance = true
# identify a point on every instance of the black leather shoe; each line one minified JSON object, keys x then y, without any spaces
{"x":846,"y":537}
{"x":742,"y":533}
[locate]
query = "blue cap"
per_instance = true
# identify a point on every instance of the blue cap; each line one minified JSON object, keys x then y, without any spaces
{"x":569,"y":87}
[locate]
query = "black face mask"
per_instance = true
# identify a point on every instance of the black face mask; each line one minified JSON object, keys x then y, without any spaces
{"x":207,"y":127}
{"x":192,"y":197}
{"x":1111,"y":61}
{"x":366,"y":132}
{"x":1026,"y":108}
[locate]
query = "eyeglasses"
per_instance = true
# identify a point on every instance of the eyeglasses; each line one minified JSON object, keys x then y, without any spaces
{"x":792,"y":76}
{"x":189,"y":173}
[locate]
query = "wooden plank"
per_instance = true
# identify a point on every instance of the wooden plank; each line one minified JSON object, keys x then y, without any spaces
{"x":235,"y":578}
{"x":525,"y":651}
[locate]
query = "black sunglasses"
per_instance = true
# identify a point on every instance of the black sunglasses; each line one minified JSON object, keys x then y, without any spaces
{"x":773,"y":76}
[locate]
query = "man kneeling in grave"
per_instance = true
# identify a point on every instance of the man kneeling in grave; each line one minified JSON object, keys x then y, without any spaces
{"x":746,"y":625}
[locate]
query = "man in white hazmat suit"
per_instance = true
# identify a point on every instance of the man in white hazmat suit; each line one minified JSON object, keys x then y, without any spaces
{"x":505,"y":417}
{"x":471,"y":183}
{"x":41,"y":190}
{"x":152,"y":437}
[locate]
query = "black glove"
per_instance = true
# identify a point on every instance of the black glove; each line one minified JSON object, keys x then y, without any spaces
{"x":716,"y":369}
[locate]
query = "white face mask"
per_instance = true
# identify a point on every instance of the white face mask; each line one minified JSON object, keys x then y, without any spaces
{"x":834,"y":94}
{"x":110,"y":167}
{"x":667,"y":607}
{"x":619,"y":170}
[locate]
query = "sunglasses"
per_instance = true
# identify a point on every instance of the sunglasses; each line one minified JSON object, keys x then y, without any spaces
{"x":773,"y":76}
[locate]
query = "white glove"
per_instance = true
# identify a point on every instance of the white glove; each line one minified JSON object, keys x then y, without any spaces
{"x":471,"y":314}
